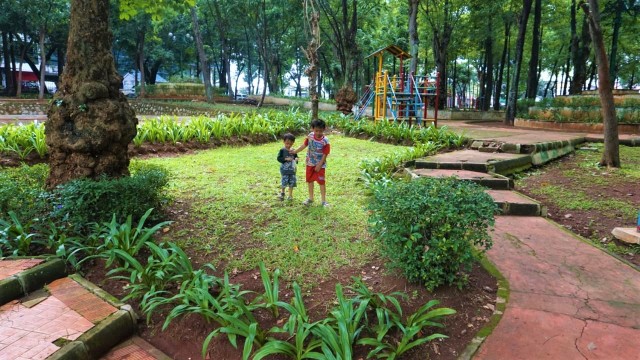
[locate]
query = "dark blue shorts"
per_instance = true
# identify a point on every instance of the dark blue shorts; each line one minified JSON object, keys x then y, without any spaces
{"x":288,"y":181}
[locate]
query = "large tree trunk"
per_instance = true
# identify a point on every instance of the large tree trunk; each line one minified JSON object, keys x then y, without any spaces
{"x":532,"y":76}
{"x":414,"y":41}
{"x":90,"y":124}
{"x":206,"y":75}
{"x":611,"y":154}
{"x":513,"y":92}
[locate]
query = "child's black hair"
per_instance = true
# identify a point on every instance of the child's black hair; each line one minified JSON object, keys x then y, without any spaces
{"x":289,"y":136}
{"x":320,"y":124}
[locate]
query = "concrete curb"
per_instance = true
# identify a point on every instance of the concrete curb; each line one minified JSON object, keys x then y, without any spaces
{"x":94,"y":289}
{"x":31,"y":279}
{"x":502,"y":298}
{"x":100,"y":339}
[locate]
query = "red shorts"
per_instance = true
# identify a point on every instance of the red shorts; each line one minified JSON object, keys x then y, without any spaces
{"x":313,"y":175}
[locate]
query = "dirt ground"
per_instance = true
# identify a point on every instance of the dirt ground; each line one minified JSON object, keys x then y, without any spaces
{"x":595,"y":225}
{"x":474,"y":305}
{"x":183,"y":339}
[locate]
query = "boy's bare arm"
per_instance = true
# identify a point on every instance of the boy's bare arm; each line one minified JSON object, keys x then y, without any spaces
{"x":302,"y":147}
{"x":322,"y":161}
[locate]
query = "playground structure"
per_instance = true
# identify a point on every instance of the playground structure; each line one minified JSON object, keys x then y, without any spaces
{"x":404,"y":97}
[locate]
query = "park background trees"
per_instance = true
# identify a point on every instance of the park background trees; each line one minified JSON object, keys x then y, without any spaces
{"x":466,"y":43}
{"x":478,"y":51}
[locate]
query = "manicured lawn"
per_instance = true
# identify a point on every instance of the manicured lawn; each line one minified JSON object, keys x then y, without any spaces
{"x":227,"y":212}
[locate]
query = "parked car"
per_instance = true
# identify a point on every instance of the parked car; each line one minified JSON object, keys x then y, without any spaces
{"x":241,"y":97}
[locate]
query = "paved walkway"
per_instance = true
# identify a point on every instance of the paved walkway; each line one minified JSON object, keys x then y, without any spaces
{"x":568,"y":299}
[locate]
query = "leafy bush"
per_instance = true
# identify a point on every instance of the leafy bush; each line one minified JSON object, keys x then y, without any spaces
{"x":429,"y":227}
{"x":21,"y":191}
{"x":84,"y":201}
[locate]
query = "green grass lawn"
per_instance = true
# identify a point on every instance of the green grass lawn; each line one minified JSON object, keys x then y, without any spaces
{"x":235,"y":220}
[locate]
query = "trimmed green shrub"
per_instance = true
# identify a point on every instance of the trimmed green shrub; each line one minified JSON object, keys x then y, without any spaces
{"x":22,"y":190}
{"x":430,"y":228}
{"x":87,"y":201}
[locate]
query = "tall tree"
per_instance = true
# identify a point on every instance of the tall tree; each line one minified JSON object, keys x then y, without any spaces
{"x":513,"y":92}
{"x":580,"y":49}
{"x":442,"y":17}
{"x":343,"y":28}
{"x":90,"y":123}
{"x":414,"y":41}
{"x":311,"y":52}
{"x":533,"y":75}
{"x":611,"y":153}
{"x":202,"y":56}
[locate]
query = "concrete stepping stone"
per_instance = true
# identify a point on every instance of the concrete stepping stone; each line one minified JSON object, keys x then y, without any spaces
{"x":492,"y":181}
{"x":499,"y":163}
{"x":515,"y":204}
{"x":628,"y":235}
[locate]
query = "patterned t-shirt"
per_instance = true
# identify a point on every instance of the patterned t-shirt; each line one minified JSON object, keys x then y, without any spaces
{"x":316,"y":149}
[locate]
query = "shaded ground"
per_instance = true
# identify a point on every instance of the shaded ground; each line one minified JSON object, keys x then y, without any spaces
{"x":588,"y":200}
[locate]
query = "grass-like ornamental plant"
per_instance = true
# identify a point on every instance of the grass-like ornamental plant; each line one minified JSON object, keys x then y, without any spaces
{"x":271,"y":290}
{"x":409,"y":331}
{"x":431,"y":229}
{"x":122,"y":242}
{"x":15,"y":238}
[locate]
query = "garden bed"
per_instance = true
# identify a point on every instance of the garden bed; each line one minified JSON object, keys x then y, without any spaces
{"x":589,"y":200}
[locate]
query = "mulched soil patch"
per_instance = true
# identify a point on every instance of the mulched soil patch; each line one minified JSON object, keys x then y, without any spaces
{"x":595,"y":225}
{"x":184,"y":337}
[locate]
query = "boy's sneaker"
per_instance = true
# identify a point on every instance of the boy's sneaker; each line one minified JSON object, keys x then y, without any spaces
{"x":307,"y":202}
{"x":325,"y":204}
{"x":289,"y":198}
{"x":281,"y":197}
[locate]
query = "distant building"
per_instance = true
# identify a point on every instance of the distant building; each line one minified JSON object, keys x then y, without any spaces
{"x":129,"y":82}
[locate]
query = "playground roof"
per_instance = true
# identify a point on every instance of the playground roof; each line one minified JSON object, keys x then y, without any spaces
{"x":394,"y":50}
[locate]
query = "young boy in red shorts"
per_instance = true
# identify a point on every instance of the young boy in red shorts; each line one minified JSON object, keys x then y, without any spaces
{"x":316,"y":160}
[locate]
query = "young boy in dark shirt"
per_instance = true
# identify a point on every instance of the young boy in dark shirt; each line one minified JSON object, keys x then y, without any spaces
{"x":287,"y":162}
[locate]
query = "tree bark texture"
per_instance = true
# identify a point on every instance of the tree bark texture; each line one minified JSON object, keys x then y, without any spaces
{"x":580,"y":49}
{"x":90,"y":124}
{"x":532,"y":76}
{"x":513,"y":92}
{"x":202,"y":56}
{"x":611,"y":153}
{"x":503,"y":60}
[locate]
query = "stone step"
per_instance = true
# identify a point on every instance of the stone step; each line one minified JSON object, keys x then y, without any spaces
{"x":21,"y":276}
{"x":492,"y":181}
{"x":136,"y":349}
{"x":472,"y":160}
{"x":515,"y":204}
